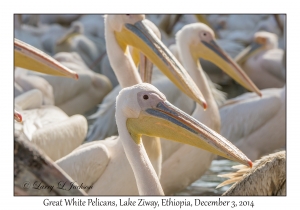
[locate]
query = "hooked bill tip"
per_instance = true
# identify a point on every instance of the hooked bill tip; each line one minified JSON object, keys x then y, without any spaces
{"x":204,"y":106}
{"x":250,"y":163}
{"x":18,"y":117}
{"x":76,"y":76}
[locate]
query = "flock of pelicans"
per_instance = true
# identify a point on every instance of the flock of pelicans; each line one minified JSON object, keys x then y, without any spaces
{"x":161,"y":116}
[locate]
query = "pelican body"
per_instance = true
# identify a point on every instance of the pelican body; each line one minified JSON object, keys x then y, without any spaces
{"x":135,"y":32}
{"x":256,"y":125}
{"x":262,"y":61}
{"x":143,"y":110}
{"x":121,"y":32}
{"x":196,"y":41}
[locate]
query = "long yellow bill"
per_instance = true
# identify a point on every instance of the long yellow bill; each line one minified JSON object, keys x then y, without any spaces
{"x":248,"y":52}
{"x":28,"y":57}
{"x":167,"y":121}
{"x":210,"y":50}
{"x":140,"y":36}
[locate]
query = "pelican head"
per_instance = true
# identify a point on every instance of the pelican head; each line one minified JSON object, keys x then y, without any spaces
{"x":262,"y":41}
{"x":134,"y":30}
{"x":201,"y":42}
{"x":147,"y":112}
{"x":267,"y":39}
{"x":76,"y":28}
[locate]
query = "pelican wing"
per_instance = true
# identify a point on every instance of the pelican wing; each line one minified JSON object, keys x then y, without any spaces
{"x":105,"y":124}
{"x":35,"y":119}
{"x":71,"y":87}
{"x":58,"y":142}
{"x":266,"y":177}
{"x":272,"y":63}
{"x":90,"y":158}
{"x":86,"y":92}
{"x":243,"y":115}
{"x":29,"y":100}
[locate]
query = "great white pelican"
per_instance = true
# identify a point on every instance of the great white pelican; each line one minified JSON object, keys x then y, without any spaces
{"x":122,"y":31}
{"x":180,"y":161}
{"x":119,"y":29}
{"x":262,"y":60}
{"x":256,"y":125}
{"x":143,"y":110}
{"x":107,"y":150}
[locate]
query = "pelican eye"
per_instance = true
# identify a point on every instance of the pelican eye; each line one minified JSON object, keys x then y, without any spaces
{"x":204,"y":34}
{"x":145,"y":97}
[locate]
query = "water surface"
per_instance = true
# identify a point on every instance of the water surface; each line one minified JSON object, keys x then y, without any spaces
{"x":206,"y":185}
